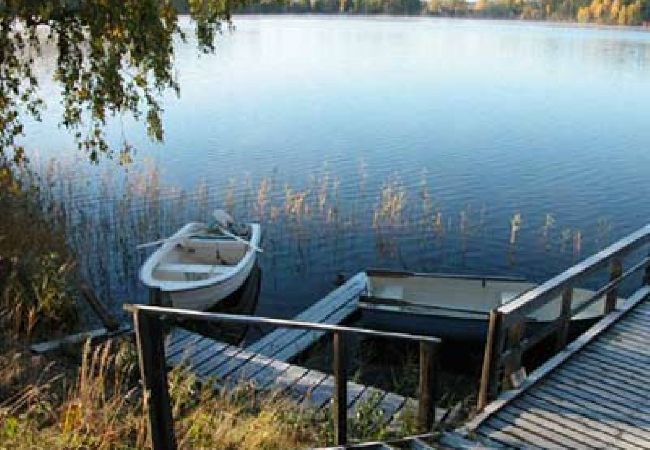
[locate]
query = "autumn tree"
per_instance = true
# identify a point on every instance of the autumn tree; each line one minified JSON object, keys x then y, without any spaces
{"x":113,"y":57}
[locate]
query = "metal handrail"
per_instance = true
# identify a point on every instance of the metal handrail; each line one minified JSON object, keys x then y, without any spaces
{"x":278,"y":323}
{"x":148,"y":323}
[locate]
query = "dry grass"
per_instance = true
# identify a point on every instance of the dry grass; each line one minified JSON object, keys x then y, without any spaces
{"x":36,"y":269}
{"x":104,"y":408}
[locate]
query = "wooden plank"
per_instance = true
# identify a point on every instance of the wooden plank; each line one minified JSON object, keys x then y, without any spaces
{"x":630,"y":326}
{"x":617,"y":340}
{"x":306,"y":384}
{"x":614,"y":360}
{"x":573,"y":415}
{"x":187,"y":354}
{"x":583,"y":362}
{"x":613,"y":398}
{"x":95,"y":336}
{"x":601,"y":416}
{"x":523,"y":422}
{"x":561,"y":357}
{"x":523,"y":436}
{"x":639,"y":418}
{"x":370,"y":398}
{"x":606,"y":410}
{"x":636,"y":356}
{"x":332,"y":309}
{"x":637,"y":330}
{"x":232,"y":363}
{"x":321,"y":394}
{"x":178,"y":339}
{"x":583,"y":426}
{"x":209,"y":367}
{"x":391,"y":405}
{"x":534,"y":298}
{"x":502,"y":438}
{"x":618,"y":387}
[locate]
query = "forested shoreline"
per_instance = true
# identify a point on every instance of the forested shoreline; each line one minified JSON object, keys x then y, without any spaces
{"x":605,"y":12}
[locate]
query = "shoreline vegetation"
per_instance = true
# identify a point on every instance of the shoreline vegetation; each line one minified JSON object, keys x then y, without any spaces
{"x":90,"y":397}
{"x":635,"y":13}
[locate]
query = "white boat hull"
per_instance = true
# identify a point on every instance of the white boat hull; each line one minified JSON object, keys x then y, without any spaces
{"x":195,"y":269}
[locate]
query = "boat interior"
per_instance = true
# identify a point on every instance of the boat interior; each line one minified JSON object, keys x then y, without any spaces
{"x":200,"y":257}
{"x":463,"y":295}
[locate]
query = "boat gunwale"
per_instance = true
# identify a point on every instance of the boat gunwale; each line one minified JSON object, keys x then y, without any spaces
{"x":146,"y":272}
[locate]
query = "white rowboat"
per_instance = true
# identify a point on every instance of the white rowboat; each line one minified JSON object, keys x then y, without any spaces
{"x":196,"y":267}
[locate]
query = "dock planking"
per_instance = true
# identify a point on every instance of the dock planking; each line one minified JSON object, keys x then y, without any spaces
{"x":265,"y":363}
{"x":593,"y":394}
{"x":229,"y":366}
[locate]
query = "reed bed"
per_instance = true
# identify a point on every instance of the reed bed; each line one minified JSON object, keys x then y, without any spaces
{"x":309,"y":228}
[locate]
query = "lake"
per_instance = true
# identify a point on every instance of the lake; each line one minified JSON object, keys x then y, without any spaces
{"x":411,"y":143}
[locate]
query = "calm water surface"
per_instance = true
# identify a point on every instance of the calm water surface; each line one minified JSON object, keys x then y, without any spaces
{"x":461,"y":124}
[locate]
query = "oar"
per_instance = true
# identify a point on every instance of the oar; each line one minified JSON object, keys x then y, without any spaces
{"x":165,"y":240}
{"x":237,"y":238}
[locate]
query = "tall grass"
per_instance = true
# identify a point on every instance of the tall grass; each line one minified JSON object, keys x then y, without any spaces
{"x":104,"y":408}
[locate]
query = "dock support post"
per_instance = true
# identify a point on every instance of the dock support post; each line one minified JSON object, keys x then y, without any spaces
{"x":427,"y":387}
{"x":646,"y":274}
{"x":565,"y":319}
{"x":151,"y":354}
{"x":616,"y":271}
{"x":491,"y":355}
{"x":340,"y":409}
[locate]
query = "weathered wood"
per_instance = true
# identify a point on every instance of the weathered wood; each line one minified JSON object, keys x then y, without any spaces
{"x":581,"y":355}
{"x":606,"y":396}
{"x":527,"y":423}
{"x":600,"y":417}
{"x":340,"y":374}
{"x":615,"y":271}
{"x":427,"y":387}
{"x":488,"y":373}
{"x":565,"y":319}
{"x":579,"y":428}
{"x":607,"y":383}
{"x":592,"y":419}
{"x":151,"y":355}
{"x":285,"y":344}
{"x":534,"y":298}
{"x":108,"y":320}
{"x":513,"y":340}
{"x":95,"y":336}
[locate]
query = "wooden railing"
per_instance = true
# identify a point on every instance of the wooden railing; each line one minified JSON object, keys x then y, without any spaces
{"x":507,"y":339}
{"x":150,"y":322}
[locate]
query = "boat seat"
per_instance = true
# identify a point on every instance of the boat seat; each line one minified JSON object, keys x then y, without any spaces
{"x":192,"y":268}
{"x":391,"y":291}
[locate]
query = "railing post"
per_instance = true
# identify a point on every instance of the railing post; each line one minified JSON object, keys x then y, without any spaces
{"x":565,"y":319}
{"x":151,"y":355}
{"x":493,"y":348}
{"x":340,"y":409}
{"x":616,"y":271}
{"x":427,"y":388}
{"x":514,"y":338}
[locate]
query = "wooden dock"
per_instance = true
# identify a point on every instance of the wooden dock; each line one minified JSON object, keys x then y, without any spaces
{"x":265,"y":363}
{"x":593,"y":394}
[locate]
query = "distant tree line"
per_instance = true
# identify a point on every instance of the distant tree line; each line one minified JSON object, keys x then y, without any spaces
{"x":610,"y":12}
